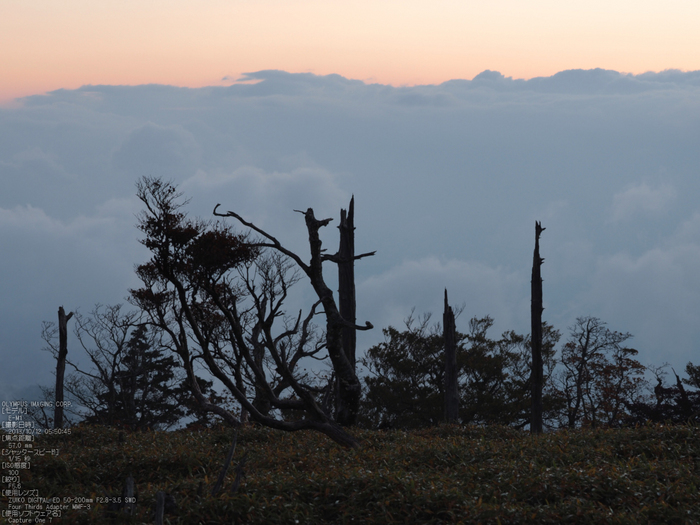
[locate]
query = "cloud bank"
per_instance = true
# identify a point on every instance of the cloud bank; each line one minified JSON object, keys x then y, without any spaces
{"x":448,"y":181}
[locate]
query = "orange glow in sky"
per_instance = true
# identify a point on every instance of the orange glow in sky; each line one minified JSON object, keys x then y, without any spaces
{"x":47,"y":44}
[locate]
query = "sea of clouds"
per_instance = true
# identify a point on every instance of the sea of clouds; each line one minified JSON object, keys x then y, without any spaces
{"x":448,"y":183}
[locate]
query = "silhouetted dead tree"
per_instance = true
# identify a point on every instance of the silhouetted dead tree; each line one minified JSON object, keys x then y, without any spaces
{"x":218,"y":296}
{"x":349,"y":389}
{"x":346,"y":301}
{"x":536,"y":309}
{"x":61,"y":365}
{"x":451,"y":370}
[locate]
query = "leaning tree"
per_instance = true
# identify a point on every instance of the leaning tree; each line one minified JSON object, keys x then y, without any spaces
{"x":219,"y":295}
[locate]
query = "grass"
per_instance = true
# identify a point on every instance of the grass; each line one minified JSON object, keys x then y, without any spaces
{"x":448,"y":474}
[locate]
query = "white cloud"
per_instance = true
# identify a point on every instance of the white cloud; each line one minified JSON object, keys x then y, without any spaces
{"x":689,"y":230}
{"x":28,"y":218}
{"x":258,"y":189}
{"x":448,"y":181}
{"x":386,"y":299}
{"x":642,"y":199}
{"x":85,"y":260}
{"x":655,"y":295}
{"x":268,"y":199}
{"x":110,"y":219}
{"x":75,"y":263}
{"x":162,"y":151}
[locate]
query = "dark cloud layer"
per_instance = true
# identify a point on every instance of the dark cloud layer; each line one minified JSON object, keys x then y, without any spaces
{"x":448,"y":181}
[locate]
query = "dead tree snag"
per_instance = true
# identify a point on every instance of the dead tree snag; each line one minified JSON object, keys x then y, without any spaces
{"x":536,"y":309}
{"x":451,"y":372}
{"x":61,"y":365}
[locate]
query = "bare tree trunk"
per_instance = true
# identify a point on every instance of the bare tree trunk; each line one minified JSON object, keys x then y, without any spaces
{"x":451,"y":387}
{"x":536,"y":308}
{"x":348,"y":384}
{"x":349,"y":388}
{"x":61,"y":365}
{"x":346,"y":295}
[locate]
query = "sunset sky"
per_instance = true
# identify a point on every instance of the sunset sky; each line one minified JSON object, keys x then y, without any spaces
{"x":455,"y":124}
{"x":49,"y":44}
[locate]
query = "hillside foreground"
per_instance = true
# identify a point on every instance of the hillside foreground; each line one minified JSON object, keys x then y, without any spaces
{"x":446,"y":474}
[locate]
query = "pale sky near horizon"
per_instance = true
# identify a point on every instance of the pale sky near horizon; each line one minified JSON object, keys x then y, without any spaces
{"x":47,"y":45}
